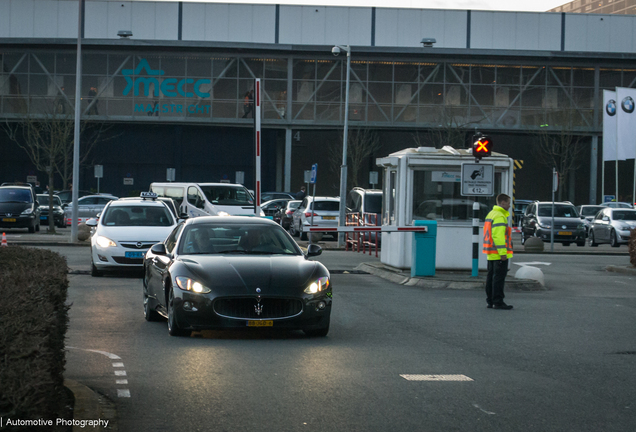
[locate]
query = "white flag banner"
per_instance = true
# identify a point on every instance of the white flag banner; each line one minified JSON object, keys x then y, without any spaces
{"x":609,"y":125}
{"x":625,"y":123}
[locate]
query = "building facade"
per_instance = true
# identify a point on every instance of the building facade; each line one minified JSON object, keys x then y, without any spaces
{"x":176,"y":94}
{"x":620,"y":7}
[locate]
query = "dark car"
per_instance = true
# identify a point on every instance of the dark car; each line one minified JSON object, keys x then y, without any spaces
{"x":19,"y":208}
{"x":568,"y":227}
{"x":519,"y":207}
{"x":235,"y":272}
{"x":270,"y":208}
{"x":58,"y":213}
{"x":285,"y":214}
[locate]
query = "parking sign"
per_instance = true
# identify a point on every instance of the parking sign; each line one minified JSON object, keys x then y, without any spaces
{"x":478,"y":179}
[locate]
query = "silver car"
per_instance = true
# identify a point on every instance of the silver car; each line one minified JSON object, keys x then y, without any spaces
{"x":325,"y":215}
{"x":613,"y":226}
{"x":87,"y":207}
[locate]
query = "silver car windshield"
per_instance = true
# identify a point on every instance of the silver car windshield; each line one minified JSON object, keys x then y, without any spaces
{"x":208,"y":239}
{"x":137,"y":216}
{"x":624,"y":215}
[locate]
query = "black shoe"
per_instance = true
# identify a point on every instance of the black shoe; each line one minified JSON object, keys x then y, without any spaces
{"x":502,"y":306}
{"x":489,"y":306}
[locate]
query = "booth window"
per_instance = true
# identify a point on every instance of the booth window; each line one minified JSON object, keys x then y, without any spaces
{"x":437,"y":196}
{"x":388,"y":205}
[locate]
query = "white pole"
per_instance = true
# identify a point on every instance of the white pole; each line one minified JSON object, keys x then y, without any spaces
{"x":343,"y":170}
{"x":76,"y":133}
{"x":257,"y":129}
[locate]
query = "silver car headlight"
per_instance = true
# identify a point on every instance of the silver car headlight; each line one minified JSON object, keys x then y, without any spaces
{"x":622,"y":226}
{"x":321,"y":284}
{"x":28,"y":211}
{"x":104,"y":242}
{"x":188,"y":284}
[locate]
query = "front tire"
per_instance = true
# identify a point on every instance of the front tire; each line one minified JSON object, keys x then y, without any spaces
{"x":580,"y":243}
{"x":32,"y":229}
{"x":591,"y":238}
{"x":95,"y":272}
{"x":292,"y":230}
{"x":173,"y":327}
{"x":523,"y":237}
{"x":613,"y":239}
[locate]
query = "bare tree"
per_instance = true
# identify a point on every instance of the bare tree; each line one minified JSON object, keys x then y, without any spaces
{"x":560,"y":148}
{"x":362,"y":143}
{"x":48,"y":139}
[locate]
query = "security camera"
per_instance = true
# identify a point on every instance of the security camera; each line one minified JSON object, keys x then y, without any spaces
{"x":335,"y":51}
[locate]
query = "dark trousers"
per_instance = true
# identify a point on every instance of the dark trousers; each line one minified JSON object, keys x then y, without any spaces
{"x":495,"y":280}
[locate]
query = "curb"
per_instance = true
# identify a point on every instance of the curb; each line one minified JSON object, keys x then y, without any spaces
{"x":90,"y":405}
{"x":35,"y":243}
{"x":621,"y":269}
{"x":443,"y":280}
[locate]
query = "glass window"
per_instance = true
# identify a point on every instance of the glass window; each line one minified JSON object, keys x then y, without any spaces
{"x":15,"y":195}
{"x":171,"y":241}
{"x":250,"y":68}
{"x":380,"y":71}
{"x":583,"y":77}
{"x":325,"y":205}
{"x":482,"y":75}
{"x":610,"y":78}
{"x":275,"y":68}
{"x":560,"y":210}
{"x":137,"y":216}
{"x":94,"y":64}
{"x":305,"y":69}
{"x":194,"y":197}
{"x":324,"y":66}
{"x":173,"y":66}
{"x":406,"y":72}
{"x":226,"y":195}
{"x":436,"y":195}
{"x":508,"y":75}
{"x":457,"y":73}
{"x":199,"y":67}
{"x":624,"y":215}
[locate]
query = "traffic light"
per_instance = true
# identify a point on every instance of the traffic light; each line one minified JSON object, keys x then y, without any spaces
{"x":482,"y":146}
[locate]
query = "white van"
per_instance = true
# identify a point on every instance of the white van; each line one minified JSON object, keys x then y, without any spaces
{"x":208,"y":199}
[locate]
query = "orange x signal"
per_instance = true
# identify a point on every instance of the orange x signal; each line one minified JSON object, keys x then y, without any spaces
{"x":482,"y":146}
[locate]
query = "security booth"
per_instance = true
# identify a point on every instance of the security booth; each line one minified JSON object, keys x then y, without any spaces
{"x":425,"y":183}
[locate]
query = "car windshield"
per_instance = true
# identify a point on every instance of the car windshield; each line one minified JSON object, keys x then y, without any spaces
{"x":15,"y":196}
{"x":590,"y":210}
{"x":227,"y":195}
{"x":560,"y":210}
{"x":44,"y":200}
{"x":293,"y":205}
{"x":624,"y":215}
{"x":249,"y":239}
{"x":325,"y":206}
{"x":373,"y":203}
{"x":137,"y":216}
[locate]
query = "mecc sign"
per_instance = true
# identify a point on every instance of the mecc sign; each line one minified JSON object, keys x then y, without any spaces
{"x":168,"y":87}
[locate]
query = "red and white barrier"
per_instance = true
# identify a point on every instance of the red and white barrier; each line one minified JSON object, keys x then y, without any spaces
{"x":386,"y":228}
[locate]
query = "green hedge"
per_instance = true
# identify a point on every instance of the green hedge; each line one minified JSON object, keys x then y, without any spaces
{"x":33,"y":323}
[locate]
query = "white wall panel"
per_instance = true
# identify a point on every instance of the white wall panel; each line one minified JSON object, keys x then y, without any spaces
{"x":67,"y":15}
{"x":96,"y":20}
{"x":515,"y":30}
{"x":119,"y":18}
{"x":407,"y":27}
{"x":313,"y":22}
{"x":22,"y":18}
{"x":550,"y":32}
{"x":5,"y":18}
{"x":193,"y":21}
{"x":290,"y":24}
{"x":143,"y":20}
{"x":240,"y":18}
{"x":264,"y":24}
{"x":45,"y":19}
{"x":167,"y":21}
{"x":216,"y":22}
{"x":621,"y":34}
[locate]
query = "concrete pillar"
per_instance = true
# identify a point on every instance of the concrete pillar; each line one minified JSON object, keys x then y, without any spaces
{"x":288,"y":159}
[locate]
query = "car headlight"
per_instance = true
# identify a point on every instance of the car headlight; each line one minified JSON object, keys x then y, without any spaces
{"x":104,"y":242}
{"x":319,"y":285}
{"x":622,"y":227}
{"x":27,"y":211}
{"x":547,"y":226}
{"x":188,"y":284}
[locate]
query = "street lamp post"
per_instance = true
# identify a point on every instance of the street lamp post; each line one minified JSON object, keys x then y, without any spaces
{"x":76,"y":132}
{"x":343,"y":169}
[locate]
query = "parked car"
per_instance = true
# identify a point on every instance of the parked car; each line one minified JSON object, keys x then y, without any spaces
{"x":88,"y":207}
{"x":519,"y":207}
{"x":613,"y":226}
{"x":45,"y":210}
{"x":285,"y":214}
{"x":19,"y":208}
{"x":615,"y":204}
{"x":270,"y":208}
{"x":66,"y":196}
{"x":235,"y":272}
{"x":268,"y":196}
{"x":367,"y":205}
{"x":587,"y":213}
{"x":325,"y":213}
{"x":568,"y":227}
{"x":126,"y":230}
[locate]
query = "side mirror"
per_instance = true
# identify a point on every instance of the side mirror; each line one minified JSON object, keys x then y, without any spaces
{"x":91,"y":222}
{"x":605,"y":218}
{"x":313,"y":250}
{"x":158,"y":249}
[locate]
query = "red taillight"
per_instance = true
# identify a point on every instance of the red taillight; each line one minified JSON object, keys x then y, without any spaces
{"x":308,"y":214}
{"x":289,"y":212}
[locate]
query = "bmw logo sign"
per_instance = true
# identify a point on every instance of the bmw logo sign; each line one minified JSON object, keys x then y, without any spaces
{"x":610,"y":108}
{"x":628,"y":105}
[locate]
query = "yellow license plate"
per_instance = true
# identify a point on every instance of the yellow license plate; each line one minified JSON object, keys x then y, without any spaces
{"x":8,"y":220}
{"x":260,"y":323}
{"x":565,"y":232}
{"x":329,"y":217}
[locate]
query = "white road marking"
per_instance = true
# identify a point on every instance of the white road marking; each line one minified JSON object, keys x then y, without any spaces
{"x":533,"y":263}
{"x":123,"y":393}
{"x":118,"y":364}
{"x":107,"y":354}
{"x":120,"y":392}
{"x":436,"y":377}
{"x":121,"y":381}
{"x":621,"y":282}
{"x":483,"y":410}
{"x":120,"y":373}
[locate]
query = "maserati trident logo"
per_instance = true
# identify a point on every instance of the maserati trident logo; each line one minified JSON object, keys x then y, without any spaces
{"x":258,"y":308}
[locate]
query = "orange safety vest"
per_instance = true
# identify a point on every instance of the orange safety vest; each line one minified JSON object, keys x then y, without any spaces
{"x":495,"y":225}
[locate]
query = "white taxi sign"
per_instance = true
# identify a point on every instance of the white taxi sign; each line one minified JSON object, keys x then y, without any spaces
{"x":150,"y":195}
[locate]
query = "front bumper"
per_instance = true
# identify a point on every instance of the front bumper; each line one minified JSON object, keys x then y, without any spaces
{"x":622,"y":236}
{"x":114,"y":257}
{"x":18,"y":221}
{"x":562,"y":235}
{"x":199,"y":312}
{"x":58,"y":219}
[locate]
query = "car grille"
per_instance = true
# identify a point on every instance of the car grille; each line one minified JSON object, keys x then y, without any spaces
{"x":245,"y":308}
{"x":124,"y":260}
{"x":133,"y":245}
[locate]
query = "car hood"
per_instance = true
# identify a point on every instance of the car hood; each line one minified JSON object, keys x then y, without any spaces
{"x":560,"y":221}
{"x":242,"y":274}
{"x":135,"y":233}
{"x":14,"y":208}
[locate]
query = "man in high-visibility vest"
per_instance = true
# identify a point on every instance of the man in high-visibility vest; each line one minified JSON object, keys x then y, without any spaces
{"x":498,"y":249}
